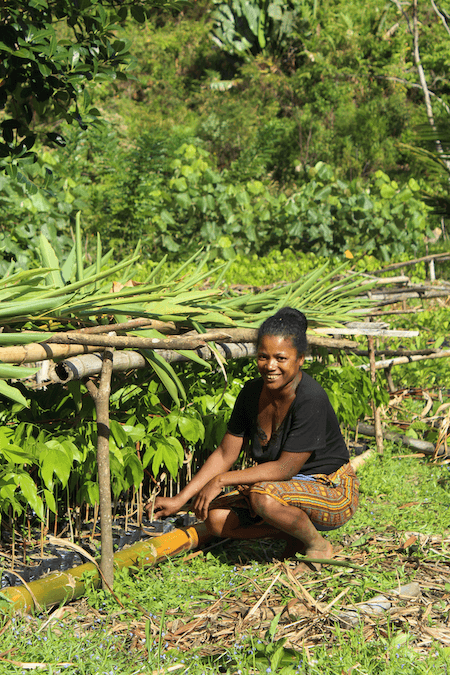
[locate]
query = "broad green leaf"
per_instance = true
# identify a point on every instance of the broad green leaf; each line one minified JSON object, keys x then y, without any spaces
{"x":98,"y":259}
{"x":92,"y":492}
{"x":116,"y":452}
{"x":68,"y":267}
{"x":135,"y":433}
{"x":14,"y":454}
{"x":13,"y":394}
{"x":191,"y":428}
{"x":71,"y":450}
{"x":439,"y":342}
{"x":177,"y":447}
{"x":134,"y":465}
{"x":50,"y":501}
{"x":157,"y":460}
{"x":29,"y":491}
{"x":118,"y":433}
{"x":169,"y":456}
{"x":32,"y":308}
{"x":54,"y":460}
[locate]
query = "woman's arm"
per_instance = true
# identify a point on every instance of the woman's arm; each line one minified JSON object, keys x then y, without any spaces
{"x":218,"y":463}
{"x":286,"y":466}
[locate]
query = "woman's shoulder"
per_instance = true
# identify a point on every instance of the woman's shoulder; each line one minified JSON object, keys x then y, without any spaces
{"x":253,"y":386}
{"x":310,"y":388}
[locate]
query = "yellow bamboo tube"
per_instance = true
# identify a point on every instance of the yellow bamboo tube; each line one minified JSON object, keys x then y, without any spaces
{"x":61,"y":587}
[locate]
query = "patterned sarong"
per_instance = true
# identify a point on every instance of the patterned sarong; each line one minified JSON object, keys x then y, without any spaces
{"x":329,"y":501}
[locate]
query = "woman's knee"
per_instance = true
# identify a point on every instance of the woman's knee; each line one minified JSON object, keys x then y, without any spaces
{"x":219,"y":522}
{"x":261,"y":503}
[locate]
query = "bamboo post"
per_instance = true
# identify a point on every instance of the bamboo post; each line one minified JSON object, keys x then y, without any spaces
{"x":101,"y":399}
{"x":376,"y":410}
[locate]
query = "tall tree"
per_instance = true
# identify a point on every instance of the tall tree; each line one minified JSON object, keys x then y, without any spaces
{"x":50,"y":50}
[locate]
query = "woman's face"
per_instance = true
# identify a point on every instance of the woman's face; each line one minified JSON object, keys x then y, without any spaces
{"x":279,"y":363}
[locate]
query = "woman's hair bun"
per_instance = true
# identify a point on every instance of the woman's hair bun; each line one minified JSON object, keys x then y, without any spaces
{"x":295,"y":315}
{"x":288,"y":322}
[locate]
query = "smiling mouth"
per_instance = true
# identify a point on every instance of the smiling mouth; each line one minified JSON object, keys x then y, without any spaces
{"x":271,"y":378}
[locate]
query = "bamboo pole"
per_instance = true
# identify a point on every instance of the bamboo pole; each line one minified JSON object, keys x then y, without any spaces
{"x":61,"y":587}
{"x":34,"y":352}
{"x":386,"y":312}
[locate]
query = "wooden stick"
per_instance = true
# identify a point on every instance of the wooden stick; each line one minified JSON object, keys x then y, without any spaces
{"x":376,"y":409}
{"x":386,"y":312}
{"x":95,"y":518}
{"x":253,"y":609}
{"x":385,"y":363}
{"x":101,"y":399}
{"x":231,"y":335}
{"x":425,"y":447}
{"x":397,"y":352}
{"x":166,"y":327}
{"x":396,"y":266}
{"x":360,"y":460}
{"x":380,"y":299}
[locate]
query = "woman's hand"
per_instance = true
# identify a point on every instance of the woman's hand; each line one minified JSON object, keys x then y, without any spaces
{"x":205,"y":497}
{"x":164,"y":506}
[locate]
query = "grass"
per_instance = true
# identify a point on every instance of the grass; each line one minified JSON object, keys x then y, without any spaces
{"x":188,"y":615}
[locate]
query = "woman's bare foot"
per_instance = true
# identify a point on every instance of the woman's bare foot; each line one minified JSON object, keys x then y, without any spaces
{"x":325,"y":550}
{"x":320,"y":553}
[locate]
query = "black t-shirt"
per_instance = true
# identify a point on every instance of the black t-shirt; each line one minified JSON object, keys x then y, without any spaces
{"x":310,"y":425}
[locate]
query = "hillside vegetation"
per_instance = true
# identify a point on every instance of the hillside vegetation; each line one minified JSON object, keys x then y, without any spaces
{"x":241,"y":131}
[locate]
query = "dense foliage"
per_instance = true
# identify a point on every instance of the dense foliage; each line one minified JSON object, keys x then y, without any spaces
{"x":273,"y":131}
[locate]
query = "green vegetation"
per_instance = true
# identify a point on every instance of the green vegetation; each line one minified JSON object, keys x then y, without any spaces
{"x":294,"y":124}
{"x":101,"y":636}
